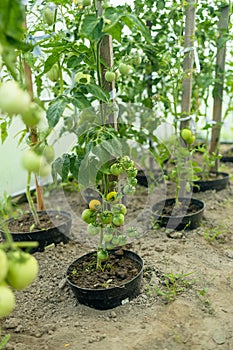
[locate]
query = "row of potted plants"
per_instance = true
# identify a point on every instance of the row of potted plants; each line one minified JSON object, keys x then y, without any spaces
{"x":82,"y":75}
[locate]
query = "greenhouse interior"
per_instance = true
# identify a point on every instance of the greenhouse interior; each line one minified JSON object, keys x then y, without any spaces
{"x":116,"y":198}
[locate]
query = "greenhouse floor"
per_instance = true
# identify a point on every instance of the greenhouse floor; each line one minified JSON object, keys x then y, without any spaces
{"x":193,"y":310}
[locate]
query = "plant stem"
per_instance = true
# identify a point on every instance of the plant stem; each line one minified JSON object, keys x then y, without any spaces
{"x":30,"y":201}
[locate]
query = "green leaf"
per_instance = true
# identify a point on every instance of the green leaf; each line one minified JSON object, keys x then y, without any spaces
{"x":92,"y":28}
{"x":80,"y":101}
{"x":116,"y":31}
{"x":133,"y":21}
{"x":3,"y":131}
{"x":11,"y":21}
{"x":55,"y":110}
{"x":96,"y":91}
{"x":51,"y":60}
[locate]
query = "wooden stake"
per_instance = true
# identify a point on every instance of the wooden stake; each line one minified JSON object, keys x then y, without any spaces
{"x":219,"y":80}
{"x":188,"y":61}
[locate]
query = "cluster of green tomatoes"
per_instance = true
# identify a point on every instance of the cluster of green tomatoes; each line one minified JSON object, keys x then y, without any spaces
{"x":18,"y":270}
{"x":108,"y":215}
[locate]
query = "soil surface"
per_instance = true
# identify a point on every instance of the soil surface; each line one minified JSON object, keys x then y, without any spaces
{"x":186,"y":299}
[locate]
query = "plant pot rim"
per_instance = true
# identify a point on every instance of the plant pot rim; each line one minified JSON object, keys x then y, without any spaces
{"x":223,"y":173}
{"x":182,"y":199}
{"x":109,"y":288}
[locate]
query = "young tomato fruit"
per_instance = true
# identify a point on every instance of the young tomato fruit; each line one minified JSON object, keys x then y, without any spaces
{"x":49,"y":153}
{"x":118,"y":219}
{"x":95,"y":204}
{"x":13,"y":100}
{"x":7,"y":300}
{"x":31,"y":161}
{"x":110,"y":76}
{"x":106,"y":217}
{"x":3,"y":265}
{"x":186,"y":134}
{"x":124,"y":68}
{"x":116,"y":169}
{"x":23,"y":270}
{"x":111,"y":196}
{"x":119,"y":209}
{"x":48,"y":16}
{"x":53,"y":73}
{"x":88,"y":216}
{"x":32,"y":115}
{"x":93,"y":230}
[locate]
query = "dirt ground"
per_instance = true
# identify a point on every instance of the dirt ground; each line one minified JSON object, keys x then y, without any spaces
{"x":186,"y":299}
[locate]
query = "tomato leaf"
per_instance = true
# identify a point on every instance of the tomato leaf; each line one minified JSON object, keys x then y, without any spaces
{"x":55,"y":110}
{"x":97,"y":92}
{"x":92,"y":28}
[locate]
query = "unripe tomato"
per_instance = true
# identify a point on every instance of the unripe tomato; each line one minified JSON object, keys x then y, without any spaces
{"x":31,"y":161}
{"x":122,"y":240}
{"x":95,"y":205}
{"x":116,"y":169}
{"x":132,"y":181}
{"x":124,"y":68}
{"x":136,"y":60}
{"x":132,"y":172}
{"x":45,"y":168}
{"x":118,"y":219}
{"x":13,"y":100}
{"x":49,"y":153}
{"x":102,"y":255}
{"x":106,"y":217}
{"x":127,"y":162}
{"x":186,"y":134}
{"x":23,"y":270}
{"x":190,"y":140}
{"x":89,"y":216}
{"x":7,"y":301}
{"x":3,"y":265}
{"x":49,"y":15}
{"x":53,"y":73}
{"x":119,"y":209}
{"x":93,"y":230}
{"x":107,"y":237}
{"x":131,"y":232}
{"x":129,"y":189}
{"x":32,"y":115}
{"x":109,"y":76}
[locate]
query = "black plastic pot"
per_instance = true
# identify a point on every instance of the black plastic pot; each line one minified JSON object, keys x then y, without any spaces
{"x":219,"y":182}
{"x":179,"y":222}
{"x":54,"y":235}
{"x":108,"y":298}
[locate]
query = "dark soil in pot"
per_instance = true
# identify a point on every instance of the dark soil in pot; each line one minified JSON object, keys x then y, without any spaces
{"x":119,"y":280}
{"x":54,"y":228}
{"x":216,"y":181}
{"x":186,"y":215}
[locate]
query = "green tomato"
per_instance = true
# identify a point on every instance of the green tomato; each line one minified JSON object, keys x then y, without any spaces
{"x":82,"y":78}
{"x":119,"y":209}
{"x":107,"y":237}
{"x":23,"y":270}
{"x":118,"y":219}
{"x":102,"y":255}
{"x":136,"y":60}
{"x":49,"y":16}
{"x":110,"y":76}
{"x":7,"y":301}
{"x":186,"y":134}
{"x":132,"y":172}
{"x":116,"y":169}
{"x":127,"y":162}
{"x":31,"y":161}
{"x":54,"y":73}
{"x":129,"y":189}
{"x":45,"y":168}
{"x":49,"y":153}
{"x":3,"y":265}
{"x":115,"y":241}
{"x":89,"y":216}
{"x":122,"y":240}
{"x":93,"y":230}
{"x":32,"y":115}
{"x":124,"y":68}
{"x":13,"y":100}
{"x":132,"y":181}
{"x":190,"y":140}
{"x":131,"y":232}
{"x":106,"y":217}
